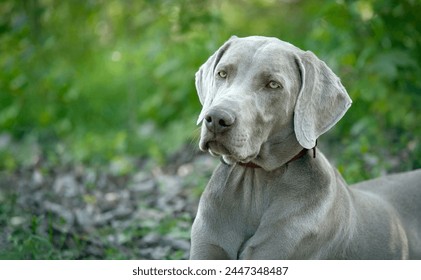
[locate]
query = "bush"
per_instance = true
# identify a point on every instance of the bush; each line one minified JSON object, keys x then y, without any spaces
{"x":95,"y":81}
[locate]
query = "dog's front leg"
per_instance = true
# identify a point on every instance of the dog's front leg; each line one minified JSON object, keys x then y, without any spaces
{"x":264,"y":249}
{"x":272,"y":241}
{"x":208,"y":252}
{"x":207,"y":242}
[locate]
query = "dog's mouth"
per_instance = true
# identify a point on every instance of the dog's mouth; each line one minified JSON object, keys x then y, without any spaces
{"x":216,"y":149}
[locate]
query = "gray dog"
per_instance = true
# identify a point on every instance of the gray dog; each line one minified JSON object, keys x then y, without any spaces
{"x":275,"y":196}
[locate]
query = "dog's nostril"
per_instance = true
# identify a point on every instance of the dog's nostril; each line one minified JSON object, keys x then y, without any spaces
{"x":222,"y":123}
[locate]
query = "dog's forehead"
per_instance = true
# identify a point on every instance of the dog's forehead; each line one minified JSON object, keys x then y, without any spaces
{"x":247,"y":49}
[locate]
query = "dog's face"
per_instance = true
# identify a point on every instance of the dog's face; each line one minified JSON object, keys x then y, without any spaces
{"x":255,"y":88}
{"x":250,"y":89}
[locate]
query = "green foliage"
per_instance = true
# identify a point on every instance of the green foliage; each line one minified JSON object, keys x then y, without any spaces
{"x":96,"y":81}
{"x":104,"y":79}
{"x":379,"y":60}
{"x":25,"y":241}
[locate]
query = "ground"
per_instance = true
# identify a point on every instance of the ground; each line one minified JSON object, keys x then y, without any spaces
{"x":78,"y":212}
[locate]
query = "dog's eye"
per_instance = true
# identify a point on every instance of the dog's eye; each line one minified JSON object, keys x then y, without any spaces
{"x":274,"y":85}
{"x":222,"y":74}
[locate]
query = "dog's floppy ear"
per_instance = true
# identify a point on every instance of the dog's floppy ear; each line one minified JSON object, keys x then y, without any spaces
{"x":322,"y":100}
{"x":205,"y":78}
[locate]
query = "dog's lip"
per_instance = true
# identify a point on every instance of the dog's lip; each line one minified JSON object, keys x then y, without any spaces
{"x":216,"y":148}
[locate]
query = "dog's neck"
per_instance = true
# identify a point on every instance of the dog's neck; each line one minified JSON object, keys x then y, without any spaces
{"x":297,"y":156}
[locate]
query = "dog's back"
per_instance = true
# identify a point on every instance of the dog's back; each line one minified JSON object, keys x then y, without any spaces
{"x":403,"y":192}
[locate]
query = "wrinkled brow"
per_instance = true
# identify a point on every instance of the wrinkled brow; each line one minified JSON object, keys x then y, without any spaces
{"x":271,"y":75}
{"x":220,"y":54}
{"x":229,"y":67}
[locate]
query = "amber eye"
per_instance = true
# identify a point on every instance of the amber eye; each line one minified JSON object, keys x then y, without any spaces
{"x":274,"y":85}
{"x":222,"y":74}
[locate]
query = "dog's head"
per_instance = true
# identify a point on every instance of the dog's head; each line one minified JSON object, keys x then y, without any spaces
{"x":258,"y":92}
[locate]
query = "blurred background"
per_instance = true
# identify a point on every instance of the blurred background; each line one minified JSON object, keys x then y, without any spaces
{"x":98,"y":142}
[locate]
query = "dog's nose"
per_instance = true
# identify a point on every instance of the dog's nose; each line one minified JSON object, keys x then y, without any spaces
{"x":218,"y":120}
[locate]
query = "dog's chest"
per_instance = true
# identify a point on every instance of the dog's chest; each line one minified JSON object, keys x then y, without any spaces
{"x":250,"y":194}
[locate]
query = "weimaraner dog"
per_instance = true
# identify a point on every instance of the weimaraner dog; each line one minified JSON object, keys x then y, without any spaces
{"x":274,"y":195}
